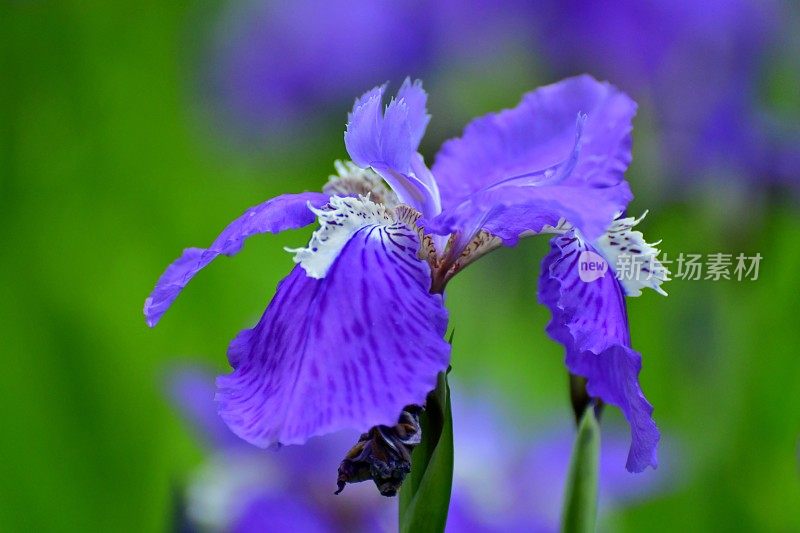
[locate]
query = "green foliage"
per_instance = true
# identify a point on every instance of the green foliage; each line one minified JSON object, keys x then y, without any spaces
{"x":425,"y":495}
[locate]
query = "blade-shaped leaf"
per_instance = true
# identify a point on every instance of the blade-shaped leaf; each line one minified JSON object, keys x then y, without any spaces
{"x":580,"y":499}
{"x":425,"y":495}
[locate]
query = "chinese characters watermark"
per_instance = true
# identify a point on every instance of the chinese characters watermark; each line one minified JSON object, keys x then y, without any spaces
{"x":714,"y":267}
{"x":693,"y":267}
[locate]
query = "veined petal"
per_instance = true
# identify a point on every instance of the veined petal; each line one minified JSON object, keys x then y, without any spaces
{"x":590,"y":320}
{"x":538,"y":134}
{"x":284,"y":212}
{"x":348,"y":350}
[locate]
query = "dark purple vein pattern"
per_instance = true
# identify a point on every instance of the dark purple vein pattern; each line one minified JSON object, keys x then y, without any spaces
{"x":346,"y":351}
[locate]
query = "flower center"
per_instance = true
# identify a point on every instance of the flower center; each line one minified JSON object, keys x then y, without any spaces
{"x":351,"y":180}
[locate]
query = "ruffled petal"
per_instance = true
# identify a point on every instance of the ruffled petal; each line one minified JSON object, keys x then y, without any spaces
{"x":538,"y":134}
{"x":379,"y":139}
{"x":511,"y":212}
{"x":284,"y":212}
{"x":387,"y":141}
{"x":348,"y":350}
{"x":585,"y":190}
{"x":590,"y":320}
{"x":416,"y":100}
{"x":396,"y":145}
{"x":364,"y":124}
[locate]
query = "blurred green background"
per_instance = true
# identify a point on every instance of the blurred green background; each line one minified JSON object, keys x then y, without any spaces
{"x":111,"y":165}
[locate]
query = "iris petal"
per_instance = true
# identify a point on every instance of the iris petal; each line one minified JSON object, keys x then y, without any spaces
{"x":511,"y":212}
{"x":416,"y":100}
{"x":364,"y":124}
{"x":387,"y":141}
{"x":539,"y":133}
{"x":347,"y":350}
{"x":590,"y":320}
{"x":517,"y":171}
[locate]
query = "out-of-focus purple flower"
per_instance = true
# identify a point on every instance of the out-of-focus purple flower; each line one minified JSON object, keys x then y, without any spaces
{"x":277,"y":61}
{"x":509,"y":479}
{"x":505,"y":479}
{"x":246,"y":489}
{"x":697,"y":65}
{"x":273,"y":63}
{"x":355,"y":332}
{"x":190,"y":389}
{"x":475,"y":31}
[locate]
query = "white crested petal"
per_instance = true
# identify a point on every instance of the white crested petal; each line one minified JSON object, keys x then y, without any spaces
{"x":339,"y":220}
{"x":635,"y":259}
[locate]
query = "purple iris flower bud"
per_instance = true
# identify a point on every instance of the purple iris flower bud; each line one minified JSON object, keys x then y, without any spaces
{"x":355,"y":332}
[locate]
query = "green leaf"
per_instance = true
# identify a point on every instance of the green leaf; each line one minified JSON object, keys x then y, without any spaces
{"x":580,"y":499}
{"x":425,"y":495}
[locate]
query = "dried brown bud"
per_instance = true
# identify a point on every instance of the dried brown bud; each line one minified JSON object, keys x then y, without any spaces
{"x":383,"y":454}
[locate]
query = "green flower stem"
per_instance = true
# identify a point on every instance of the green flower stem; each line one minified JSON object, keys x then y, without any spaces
{"x":580,"y":498}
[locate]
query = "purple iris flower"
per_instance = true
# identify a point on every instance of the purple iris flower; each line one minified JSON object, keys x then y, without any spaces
{"x":355,"y":332}
{"x":590,"y":320}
